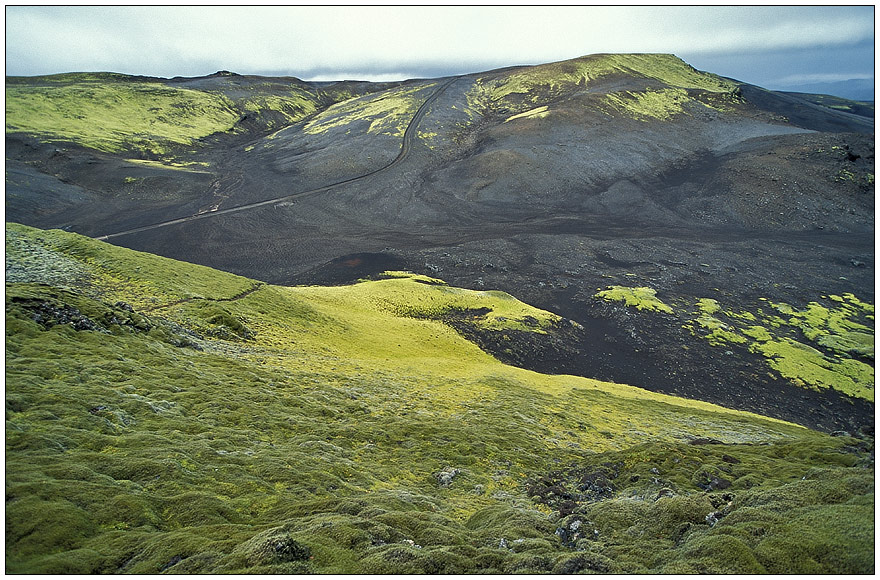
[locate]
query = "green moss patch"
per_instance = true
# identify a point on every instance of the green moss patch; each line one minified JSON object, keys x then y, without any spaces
{"x":351,"y":430}
{"x":388,"y":112}
{"x":117,"y":116}
{"x":641,"y":298}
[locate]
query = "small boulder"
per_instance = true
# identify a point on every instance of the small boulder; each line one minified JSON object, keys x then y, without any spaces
{"x":445,"y":477}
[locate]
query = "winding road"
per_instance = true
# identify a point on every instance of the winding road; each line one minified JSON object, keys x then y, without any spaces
{"x":405,"y":149}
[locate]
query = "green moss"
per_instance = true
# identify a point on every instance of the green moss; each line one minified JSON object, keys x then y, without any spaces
{"x":534,"y":87}
{"x":294,"y":106}
{"x":807,"y":366}
{"x":171,"y":164}
{"x":117,"y":116}
{"x":388,"y":112}
{"x":811,"y":346}
{"x":660,"y":105}
{"x":642,"y":298}
{"x":717,"y":554}
{"x":708,"y":306}
{"x":719,"y":333}
{"x":536,"y":113}
{"x":112,"y":274}
{"x":316,"y":444}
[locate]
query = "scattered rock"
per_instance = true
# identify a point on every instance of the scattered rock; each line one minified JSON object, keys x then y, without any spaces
{"x":445,"y":477}
{"x":174,"y":560}
{"x":576,"y":528}
{"x":718,"y":483}
{"x":585,"y":561}
{"x":705,"y":441}
{"x":48,"y":315}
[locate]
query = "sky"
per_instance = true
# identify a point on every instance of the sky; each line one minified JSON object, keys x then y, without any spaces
{"x":778,"y":47}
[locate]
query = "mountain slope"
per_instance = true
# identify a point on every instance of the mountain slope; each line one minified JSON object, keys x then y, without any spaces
{"x":587,"y":136}
{"x":163,"y":416}
{"x":551,"y":182}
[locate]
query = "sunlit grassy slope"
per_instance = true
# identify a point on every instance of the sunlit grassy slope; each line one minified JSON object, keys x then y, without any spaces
{"x":113,"y":116}
{"x":115,"y":113}
{"x":165,"y":417}
{"x":388,"y":112}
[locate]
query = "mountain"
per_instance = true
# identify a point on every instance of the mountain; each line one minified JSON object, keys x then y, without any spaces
{"x":166,"y":417}
{"x":549,"y":182}
{"x":851,"y":89}
{"x":706,"y":241}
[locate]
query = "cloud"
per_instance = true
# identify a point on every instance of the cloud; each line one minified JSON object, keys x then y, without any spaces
{"x":381,"y":42}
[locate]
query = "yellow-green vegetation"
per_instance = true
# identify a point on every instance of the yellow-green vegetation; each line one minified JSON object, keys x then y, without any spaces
{"x":662,"y":105}
{"x":295,"y":106}
{"x":642,"y":298}
{"x":116,"y":116}
{"x":840,"y":332}
{"x":429,"y":138}
{"x":116,"y":113}
{"x":188,"y":166}
{"x":536,"y":113}
{"x":822,"y":346}
{"x":533,"y":87}
{"x":229,"y":426}
{"x":434,"y":299}
{"x":388,"y":112}
{"x":109,"y":273}
{"x":718,"y":332}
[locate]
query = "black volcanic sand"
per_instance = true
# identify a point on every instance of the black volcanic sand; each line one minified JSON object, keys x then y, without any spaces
{"x":562,"y":271}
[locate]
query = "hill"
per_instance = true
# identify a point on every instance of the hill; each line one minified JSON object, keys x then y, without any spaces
{"x":166,"y":417}
{"x":552,"y":183}
{"x":610,"y":314}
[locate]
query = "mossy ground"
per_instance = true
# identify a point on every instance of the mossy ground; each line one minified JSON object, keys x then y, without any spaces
{"x":828,"y":344}
{"x":118,"y":116}
{"x":151,"y":117}
{"x":641,"y":298}
{"x":349,"y":430}
{"x":387,"y":112}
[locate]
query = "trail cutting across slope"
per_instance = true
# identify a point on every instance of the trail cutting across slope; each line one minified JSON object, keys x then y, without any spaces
{"x":405,"y":148}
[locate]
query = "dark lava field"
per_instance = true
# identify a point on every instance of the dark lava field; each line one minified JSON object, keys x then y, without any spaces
{"x":735,"y":205}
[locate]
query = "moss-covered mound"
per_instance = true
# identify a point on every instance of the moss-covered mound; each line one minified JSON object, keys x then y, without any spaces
{"x":163,"y":417}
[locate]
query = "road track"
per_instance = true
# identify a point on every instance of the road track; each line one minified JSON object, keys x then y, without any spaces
{"x":405,"y":148}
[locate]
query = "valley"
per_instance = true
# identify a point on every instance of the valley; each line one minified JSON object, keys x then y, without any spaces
{"x":335,"y":323}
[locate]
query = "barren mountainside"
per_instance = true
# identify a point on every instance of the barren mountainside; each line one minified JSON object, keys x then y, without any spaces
{"x":610,"y":314}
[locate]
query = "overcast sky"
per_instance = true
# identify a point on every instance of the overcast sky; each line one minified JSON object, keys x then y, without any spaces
{"x":775,"y":47}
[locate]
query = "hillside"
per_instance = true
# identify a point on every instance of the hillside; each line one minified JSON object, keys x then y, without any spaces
{"x":550,"y":182}
{"x":166,"y":417}
{"x":610,"y":314}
